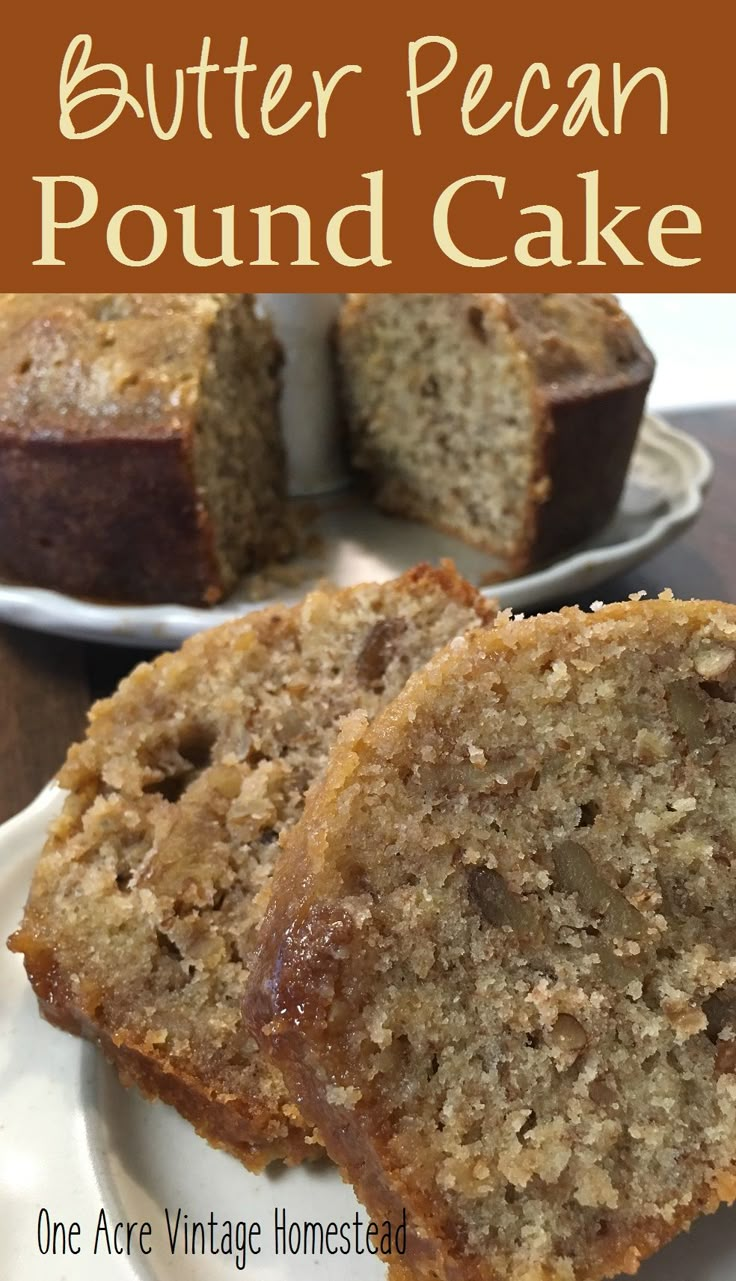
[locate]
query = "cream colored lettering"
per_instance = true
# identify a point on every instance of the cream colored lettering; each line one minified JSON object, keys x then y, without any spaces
{"x":202,"y":70}
{"x":324,"y":92}
{"x":546,"y":245}
{"x":240,"y":70}
{"x":622,"y":93}
{"x":164,"y":134}
{"x":265,"y":215}
{"x":594,"y":233}
{"x":159,"y":235}
{"x":277,"y":86}
{"x":227,"y":255}
{"x":552,"y":234}
{"x":586,"y":103}
{"x":475,"y":91}
{"x":441,"y":220}
{"x":536,"y":69}
{"x":597,"y":102}
{"x":658,"y":229}
{"x":374,"y":210}
{"x":416,"y":87}
{"x":50,"y":224}
{"x":76,"y":69}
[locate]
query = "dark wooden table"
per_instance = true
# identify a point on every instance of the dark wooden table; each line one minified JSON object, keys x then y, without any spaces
{"x":47,"y":684}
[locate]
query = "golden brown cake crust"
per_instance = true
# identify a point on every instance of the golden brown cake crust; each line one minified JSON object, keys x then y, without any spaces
{"x":108,"y":481}
{"x":146,"y":903}
{"x":134,"y":529}
{"x":476,"y":862}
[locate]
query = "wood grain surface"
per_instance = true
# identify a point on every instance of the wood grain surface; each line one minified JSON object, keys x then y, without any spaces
{"x":47,"y":684}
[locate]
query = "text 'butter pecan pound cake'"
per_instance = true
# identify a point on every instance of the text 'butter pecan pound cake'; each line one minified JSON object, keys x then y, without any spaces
{"x":146,"y":903}
{"x":140,"y":445}
{"x":505,"y":419}
{"x":499,"y":965}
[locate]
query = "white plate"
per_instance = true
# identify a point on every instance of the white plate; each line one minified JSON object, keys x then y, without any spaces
{"x":664,"y":492}
{"x":74,"y":1141}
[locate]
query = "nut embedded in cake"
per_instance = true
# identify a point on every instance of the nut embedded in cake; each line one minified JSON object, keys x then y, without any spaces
{"x":498,"y":969}
{"x":145,"y":906}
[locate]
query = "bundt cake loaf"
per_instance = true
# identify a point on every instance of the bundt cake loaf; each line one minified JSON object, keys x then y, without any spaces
{"x":140,"y":450}
{"x":146,"y":903}
{"x":499,"y":965}
{"x":507,"y":420}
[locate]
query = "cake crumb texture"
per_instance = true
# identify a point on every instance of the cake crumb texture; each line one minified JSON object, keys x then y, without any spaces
{"x":146,"y":903}
{"x":506,"y":420}
{"x":498,"y":968}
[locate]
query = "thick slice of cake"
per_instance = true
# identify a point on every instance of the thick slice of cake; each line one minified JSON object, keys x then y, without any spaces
{"x":505,"y":419}
{"x":140,"y":448}
{"x":499,"y":965}
{"x":146,"y":904}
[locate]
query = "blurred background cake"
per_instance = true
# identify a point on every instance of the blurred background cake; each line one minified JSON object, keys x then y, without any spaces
{"x":140,"y":447}
{"x":507,"y":420}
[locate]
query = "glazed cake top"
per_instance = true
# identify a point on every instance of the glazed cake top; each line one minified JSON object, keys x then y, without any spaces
{"x":582,"y":339}
{"x":86,"y":365}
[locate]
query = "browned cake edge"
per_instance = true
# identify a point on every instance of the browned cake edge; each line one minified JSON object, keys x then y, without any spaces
{"x":107,"y":519}
{"x":229,"y":1125}
{"x":115,"y":515}
{"x":585,"y":457}
{"x":585,"y":432}
{"x":223,"y":1125}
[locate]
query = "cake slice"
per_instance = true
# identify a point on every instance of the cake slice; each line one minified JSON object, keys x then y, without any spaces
{"x":507,"y":420}
{"x":140,"y":445}
{"x":499,"y":965}
{"x":145,"y":906}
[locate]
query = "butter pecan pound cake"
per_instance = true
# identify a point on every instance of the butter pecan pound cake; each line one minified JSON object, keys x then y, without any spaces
{"x":140,"y":448}
{"x":146,"y":903}
{"x":505,"y":419}
{"x":499,"y":965}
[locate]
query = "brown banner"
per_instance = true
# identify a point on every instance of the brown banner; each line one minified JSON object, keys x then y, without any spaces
{"x":396,"y":146}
